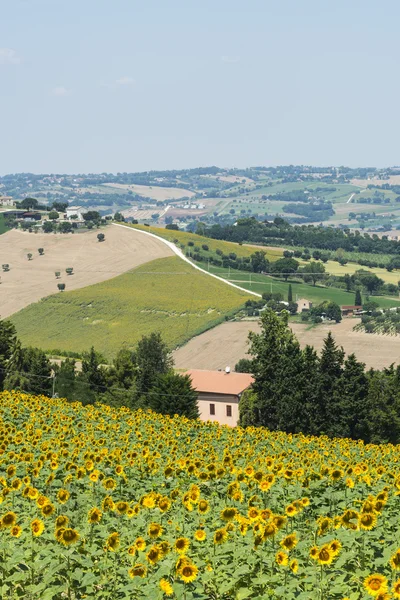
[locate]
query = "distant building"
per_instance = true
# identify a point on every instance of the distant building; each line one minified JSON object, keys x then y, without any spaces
{"x":303,"y":305}
{"x":351,"y":311}
{"x":74,"y":211}
{"x":6,"y":201}
{"x":219,"y":393}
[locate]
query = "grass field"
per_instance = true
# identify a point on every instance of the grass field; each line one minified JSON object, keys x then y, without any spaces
{"x":165,"y":295}
{"x":183,"y":237}
{"x":263,"y":283}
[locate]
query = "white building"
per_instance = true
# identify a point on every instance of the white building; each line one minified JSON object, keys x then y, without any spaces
{"x":6,"y":201}
{"x":74,"y":211}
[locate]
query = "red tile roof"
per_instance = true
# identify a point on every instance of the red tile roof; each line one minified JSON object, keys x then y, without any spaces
{"x":220,"y":382}
{"x":350,"y":307}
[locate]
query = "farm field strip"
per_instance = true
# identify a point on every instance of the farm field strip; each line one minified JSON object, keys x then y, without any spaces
{"x":166,"y":295}
{"x":156,"y":192}
{"x":30,"y":280}
{"x":228,"y":343}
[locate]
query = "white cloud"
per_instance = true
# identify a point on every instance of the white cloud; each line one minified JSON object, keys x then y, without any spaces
{"x":59,"y":91}
{"x":126,"y":80}
{"x":8,"y":56}
{"x":230,"y":59}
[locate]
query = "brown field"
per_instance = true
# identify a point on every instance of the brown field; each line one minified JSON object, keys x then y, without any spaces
{"x":230,"y":178}
{"x":156,"y":192}
{"x":226,"y":344}
{"x":392,"y":180}
{"x":29,"y":281}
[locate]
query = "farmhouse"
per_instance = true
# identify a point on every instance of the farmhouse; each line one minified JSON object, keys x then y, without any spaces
{"x":351,"y":311}
{"x":74,"y":210}
{"x":303,"y":305}
{"x":6,"y":201}
{"x":219,"y":393}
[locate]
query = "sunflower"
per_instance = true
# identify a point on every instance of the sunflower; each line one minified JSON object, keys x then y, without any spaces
{"x":153,"y":555}
{"x":166,"y":587}
{"x":164,"y":504}
{"x":281,"y":558}
{"x":181,"y":545}
{"x":37,"y":527}
{"x":109,"y":483}
{"x":289,"y":542}
{"x":291,"y":510}
{"x":228,"y":514}
{"x":395,"y":561}
{"x":9,"y":519}
{"x":203,"y":507}
{"x":113,"y":542}
{"x":188,"y":573}
{"x":294,"y":565}
{"x":63,"y":496}
{"x":314,"y":552}
{"x":140,"y":543}
{"x":61,"y":521}
{"x":16,"y":531}
{"x":278,"y":521}
{"x":131,"y":550}
{"x":200,"y":535}
{"x":121,"y":507}
{"x":270,"y":530}
{"x":376,"y":584}
{"x":48,"y":509}
{"x":220,"y":536}
{"x":94,"y":515}
{"x":165,"y":547}
{"x":155,"y":530}
{"x":335,"y":546}
{"x":138,"y":570}
{"x":68,"y":537}
{"x":396,"y":589}
{"x":367,"y":521}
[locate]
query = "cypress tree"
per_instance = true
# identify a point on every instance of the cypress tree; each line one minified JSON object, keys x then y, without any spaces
{"x":352,"y":419}
{"x":358,"y":299}
{"x":290,"y":293}
{"x":331,"y":363}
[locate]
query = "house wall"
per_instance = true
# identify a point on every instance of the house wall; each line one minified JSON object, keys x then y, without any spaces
{"x":220,"y":401}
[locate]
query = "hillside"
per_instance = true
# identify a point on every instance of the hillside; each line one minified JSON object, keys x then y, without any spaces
{"x":28,"y":281}
{"x":130,"y":505}
{"x":167,"y":295}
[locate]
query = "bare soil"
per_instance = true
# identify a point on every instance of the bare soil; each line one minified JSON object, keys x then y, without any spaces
{"x":93,"y":261}
{"x":226,"y":344}
{"x":156,"y":192}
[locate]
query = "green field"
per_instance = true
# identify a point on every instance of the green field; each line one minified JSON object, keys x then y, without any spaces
{"x":183,"y":237}
{"x":263,"y":283}
{"x":166,"y":295}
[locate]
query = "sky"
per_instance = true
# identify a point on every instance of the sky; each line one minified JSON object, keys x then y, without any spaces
{"x":127,"y":85}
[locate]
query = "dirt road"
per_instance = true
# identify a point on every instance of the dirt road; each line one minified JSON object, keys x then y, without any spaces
{"x":226,"y":344}
{"x":93,"y":261}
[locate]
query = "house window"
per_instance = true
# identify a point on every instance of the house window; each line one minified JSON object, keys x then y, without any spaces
{"x":228,"y":410}
{"x":212,"y":409}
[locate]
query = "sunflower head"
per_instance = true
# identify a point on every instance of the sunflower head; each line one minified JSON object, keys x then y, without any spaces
{"x":376,"y":584}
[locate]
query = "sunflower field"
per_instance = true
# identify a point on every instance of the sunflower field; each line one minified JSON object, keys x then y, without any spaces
{"x":104,"y":503}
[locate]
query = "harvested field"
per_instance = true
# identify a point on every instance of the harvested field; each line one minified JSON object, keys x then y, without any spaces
{"x":392,"y":180}
{"x":156,"y":192}
{"x":92,"y":261}
{"x":226,"y":344}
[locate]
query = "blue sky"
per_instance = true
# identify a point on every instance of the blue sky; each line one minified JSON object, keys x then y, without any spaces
{"x":123,"y":85}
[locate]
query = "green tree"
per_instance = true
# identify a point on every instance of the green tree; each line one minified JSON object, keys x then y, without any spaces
{"x":8,"y":338}
{"x":358,"y":299}
{"x":119,"y":217}
{"x":259,"y":262}
{"x":48,"y":226}
{"x":353,"y":414}
{"x":314,"y":272}
{"x":152,"y":358}
{"x":329,"y":397}
{"x":29,"y":203}
{"x":53,"y":215}
{"x":290,"y":293}
{"x":101,"y":237}
{"x":276,"y":363}
{"x":285,"y":267}
{"x":29,"y":370}
{"x":333,"y":312}
{"x":244,"y":365}
{"x":60,"y":206}
{"x":173,"y":394}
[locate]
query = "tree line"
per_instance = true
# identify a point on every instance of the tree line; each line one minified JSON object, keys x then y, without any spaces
{"x":280,"y":232}
{"x":142,"y":377}
{"x":298,"y":391}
